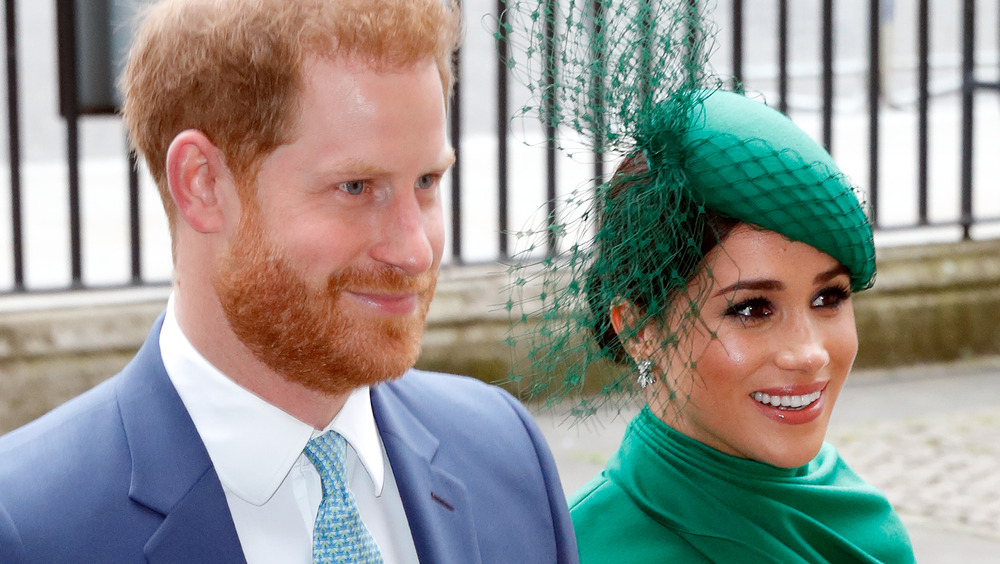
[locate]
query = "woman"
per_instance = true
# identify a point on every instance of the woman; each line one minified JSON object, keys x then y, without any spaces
{"x":735,"y":310}
{"x":716,"y":270}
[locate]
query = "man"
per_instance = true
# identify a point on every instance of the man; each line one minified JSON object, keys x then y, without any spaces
{"x":298,"y":146}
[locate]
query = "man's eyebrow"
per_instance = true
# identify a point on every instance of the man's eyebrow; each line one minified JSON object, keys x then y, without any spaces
{"x":447,"y":159}
{"x":353,"y":166}
{"x":364,"y":169}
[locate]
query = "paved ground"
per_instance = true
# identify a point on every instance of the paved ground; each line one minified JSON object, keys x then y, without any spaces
{"x":928,"y":436}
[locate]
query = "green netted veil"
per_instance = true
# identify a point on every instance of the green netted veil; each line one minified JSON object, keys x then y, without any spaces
{"x":632,"y":78}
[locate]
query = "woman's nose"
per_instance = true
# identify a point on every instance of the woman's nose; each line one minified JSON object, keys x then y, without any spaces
{"x":803,"y":348}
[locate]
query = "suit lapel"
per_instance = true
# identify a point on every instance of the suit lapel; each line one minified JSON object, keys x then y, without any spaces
{"x":171,"y":471}
{"x":436,"y":504}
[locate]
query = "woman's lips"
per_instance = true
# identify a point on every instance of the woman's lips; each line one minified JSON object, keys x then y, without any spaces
{"x":794,"y":405}
{"x":786,"y":401}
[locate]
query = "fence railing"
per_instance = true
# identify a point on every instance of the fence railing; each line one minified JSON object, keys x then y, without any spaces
{"x":488,"y":186}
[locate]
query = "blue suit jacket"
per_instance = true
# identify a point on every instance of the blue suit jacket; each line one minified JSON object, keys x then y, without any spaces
{"x":120,"y":475}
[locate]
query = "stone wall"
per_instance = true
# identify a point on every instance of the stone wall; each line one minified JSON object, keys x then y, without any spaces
{"x":930,"y":304}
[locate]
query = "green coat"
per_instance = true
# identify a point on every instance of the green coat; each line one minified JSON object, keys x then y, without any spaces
{"x":665,"y":497}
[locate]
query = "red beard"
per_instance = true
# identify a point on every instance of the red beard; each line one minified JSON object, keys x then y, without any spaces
{"x":300,"y":333}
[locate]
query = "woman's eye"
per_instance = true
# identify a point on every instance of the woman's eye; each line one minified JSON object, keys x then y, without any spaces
{"x":753,"y":309}
{"x":426,"y":181}
{"x":353,"y":187}
{"x":831,"y":297}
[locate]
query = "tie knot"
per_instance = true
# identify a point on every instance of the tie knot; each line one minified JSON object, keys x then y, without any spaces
{"x":327,"y":453}
{"x":339,"y":536}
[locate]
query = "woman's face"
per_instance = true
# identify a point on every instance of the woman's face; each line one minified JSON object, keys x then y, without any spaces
{"x":757,"y":376}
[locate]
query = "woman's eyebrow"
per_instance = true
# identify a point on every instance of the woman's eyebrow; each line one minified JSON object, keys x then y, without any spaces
{"x":831,"y":274}
{"x":758,"y":284}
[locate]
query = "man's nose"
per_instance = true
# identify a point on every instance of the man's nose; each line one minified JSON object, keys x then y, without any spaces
{"x":404,"y":242}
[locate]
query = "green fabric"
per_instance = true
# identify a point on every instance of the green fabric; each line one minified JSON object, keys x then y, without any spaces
{"x":752,"y":163}
{"x":664,"y":497}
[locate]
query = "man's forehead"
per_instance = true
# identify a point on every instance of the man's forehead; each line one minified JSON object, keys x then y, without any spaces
{"x":356,"y":76}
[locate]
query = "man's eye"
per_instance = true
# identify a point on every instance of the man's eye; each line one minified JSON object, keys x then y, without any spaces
{"x":426,"y":181}
{"x":354,"y":187}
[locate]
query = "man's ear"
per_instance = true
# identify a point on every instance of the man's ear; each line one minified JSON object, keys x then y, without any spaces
{"x":199,"y":180}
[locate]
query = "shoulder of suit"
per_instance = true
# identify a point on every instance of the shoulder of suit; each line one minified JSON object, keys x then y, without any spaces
{"x":71,"y":452}
{"x":425,"y":378}
{"x":422,"y":389}
{"x":69,"y":422}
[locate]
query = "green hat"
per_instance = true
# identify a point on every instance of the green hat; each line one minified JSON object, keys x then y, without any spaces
{"x":633,"y":78}
{"x":750,"y":162}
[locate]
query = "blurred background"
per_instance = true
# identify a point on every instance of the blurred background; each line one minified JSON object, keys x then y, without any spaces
{"x":904,"y":93}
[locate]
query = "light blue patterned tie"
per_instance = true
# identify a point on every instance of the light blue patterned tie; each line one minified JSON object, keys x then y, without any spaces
{"x":340,"y":535}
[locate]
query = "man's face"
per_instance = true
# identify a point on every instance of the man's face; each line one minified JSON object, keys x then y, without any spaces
{"x":328,"y":278}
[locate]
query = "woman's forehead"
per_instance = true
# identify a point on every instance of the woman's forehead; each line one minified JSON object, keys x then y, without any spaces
{"x":751,"y":252}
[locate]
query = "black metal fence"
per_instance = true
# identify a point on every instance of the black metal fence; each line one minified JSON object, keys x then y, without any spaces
{"x":971,"y":89}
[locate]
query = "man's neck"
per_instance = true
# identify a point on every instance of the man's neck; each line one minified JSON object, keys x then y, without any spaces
{"x":202,"y":321}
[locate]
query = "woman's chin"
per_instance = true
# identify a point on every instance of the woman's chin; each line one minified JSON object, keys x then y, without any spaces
{"x":800,"y":455}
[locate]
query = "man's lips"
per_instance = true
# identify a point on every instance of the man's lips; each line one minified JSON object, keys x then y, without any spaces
{"x":388,"y":303}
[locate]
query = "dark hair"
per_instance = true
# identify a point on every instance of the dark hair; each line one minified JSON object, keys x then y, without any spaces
{"x":706,"y":227}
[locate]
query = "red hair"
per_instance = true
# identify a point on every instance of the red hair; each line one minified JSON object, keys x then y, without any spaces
{"x":233,"y":69}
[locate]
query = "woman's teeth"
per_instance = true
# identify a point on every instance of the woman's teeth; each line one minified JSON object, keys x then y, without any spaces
{"x":786,"y":402}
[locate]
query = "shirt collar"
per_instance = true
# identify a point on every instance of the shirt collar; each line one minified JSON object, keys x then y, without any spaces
{"x":253,"y":444}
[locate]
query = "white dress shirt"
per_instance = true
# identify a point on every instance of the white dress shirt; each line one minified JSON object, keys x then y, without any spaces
{"x":272,"y":489}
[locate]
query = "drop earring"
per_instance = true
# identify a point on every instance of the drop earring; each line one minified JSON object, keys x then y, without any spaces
{"x":646,"y":376}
